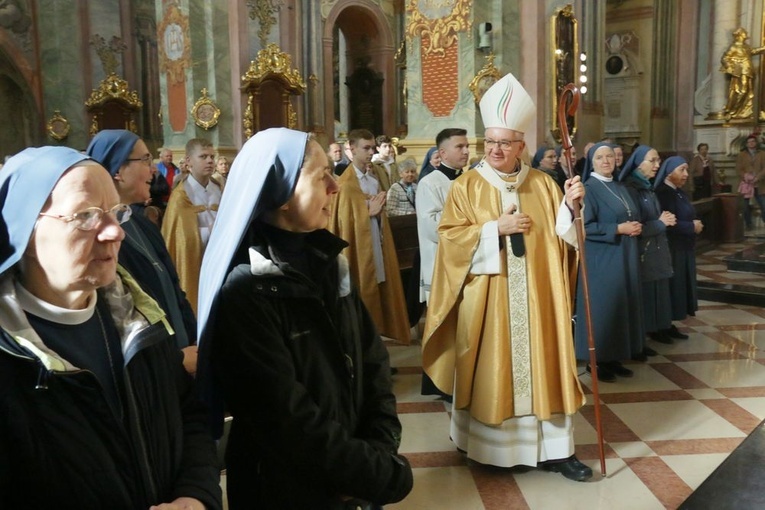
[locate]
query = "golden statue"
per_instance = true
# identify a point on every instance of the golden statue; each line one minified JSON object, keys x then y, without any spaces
{"x":737,"y":62}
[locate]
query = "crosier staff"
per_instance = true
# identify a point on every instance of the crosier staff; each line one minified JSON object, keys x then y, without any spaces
{"x":568,"y":102}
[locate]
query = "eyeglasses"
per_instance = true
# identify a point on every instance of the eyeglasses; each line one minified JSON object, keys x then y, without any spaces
{"x":505,"y":145}
{"x":91,"y":217}
{"x":146,"y":159}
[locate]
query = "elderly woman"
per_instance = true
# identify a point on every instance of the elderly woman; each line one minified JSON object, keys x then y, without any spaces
{"x":612,"y":226}
{"x":655,"y":259}
{"x":400,"y":200}
{"x":144,"y":253}
{"x":682,"y":239}
{"x":221,"y":169}
{"x":96,"y":409}
{"x":431,"y":162}
{"x":544,"y":159}
{"x":295,"y":353}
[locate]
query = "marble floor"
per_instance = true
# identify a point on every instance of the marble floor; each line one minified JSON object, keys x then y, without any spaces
{"x":666,"y":429}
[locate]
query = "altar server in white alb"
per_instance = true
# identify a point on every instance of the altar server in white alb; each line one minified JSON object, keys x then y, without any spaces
{"x":498,"y":332}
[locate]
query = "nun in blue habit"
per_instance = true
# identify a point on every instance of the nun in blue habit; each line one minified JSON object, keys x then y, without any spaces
{"x":288,"y":345}
{"x":611,"y":226}
{"x":655,"y":259}
{"x":143,"y":252}
{"x":682,"y":239}
{"x":97,"y":410}
{"x":427,"y":163}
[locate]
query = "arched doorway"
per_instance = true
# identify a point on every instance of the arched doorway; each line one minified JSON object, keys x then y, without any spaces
{"x":359,"y":70}
{"x":18,"y":110}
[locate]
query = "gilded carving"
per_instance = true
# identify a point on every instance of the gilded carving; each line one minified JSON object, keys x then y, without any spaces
{"x":247,"y":120}
{"x":564,"y":42}
{"x":174,"y":44}
{"x":205,"y":112}
{"x":58,"y":127}
{"x":107,"y":53}
{"x":438,"y":22}
{"x":291,"y":117}
{"x":484,"y":79}
{"x":263,"y":11}
{"x":113,"y":88}
{"x":272,"y":61}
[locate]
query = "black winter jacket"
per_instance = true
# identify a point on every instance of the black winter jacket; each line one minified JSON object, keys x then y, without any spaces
{"x":61,"y":445}
{"x":307,"y":380}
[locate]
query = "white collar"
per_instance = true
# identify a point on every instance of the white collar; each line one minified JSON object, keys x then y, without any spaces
{"x":601,"y":177}
{"x":36,"y":306}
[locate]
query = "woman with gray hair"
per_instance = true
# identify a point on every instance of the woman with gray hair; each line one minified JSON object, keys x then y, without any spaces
{"x":96,"y":410}
{"x":400,"y":200}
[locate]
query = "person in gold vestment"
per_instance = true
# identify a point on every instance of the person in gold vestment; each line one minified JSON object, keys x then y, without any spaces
{"x":498,"y":332}
{"x":358,"y":217}
{"x":190,"y":215}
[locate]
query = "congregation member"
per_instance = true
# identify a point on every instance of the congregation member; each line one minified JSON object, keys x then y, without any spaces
{"x":682,"y":240}
{"x":291,"y":345}
{"x":618,"y":158}
{"x":400,"y":199}
{"x":612,"y":227}
{"x":97,"y":410}
{"x":561,"y":166}
{"x":384,"y":162}
{"x":358,"y":217}
{"x":335,"y":153}
{"x":190,"y":215}
{"x":750,"y":167}
{"x":508,"y":358}
{"x":655,"y":259}
{"x":544,"y":159}
{"x":221,"y":169}
{"x":143,"y":252}
{"x":347,"y":158}
{"x":703,"y":173}
{"x":431,"y":162}
{"x":168,"y":171}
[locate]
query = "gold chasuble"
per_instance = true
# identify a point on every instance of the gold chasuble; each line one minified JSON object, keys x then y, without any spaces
{"x":350,"y":221}
{"x":180,"y":229}
{"x":501,"y":338}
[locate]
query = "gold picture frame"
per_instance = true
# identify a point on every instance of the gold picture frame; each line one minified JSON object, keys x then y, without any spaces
{"x":485,"y":78}
{"x":205,"y":112}
{"x":174,"y":44}
{"x":58,"y":127}
{"x":438,"y":23}
{"x":564,"y":42}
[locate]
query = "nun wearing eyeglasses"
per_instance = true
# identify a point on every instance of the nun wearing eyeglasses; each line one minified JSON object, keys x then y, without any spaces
{"x":655,"y":258}
{"x":290,"y":346}
{"x":143,"y":252}
{"x":96,"y":410}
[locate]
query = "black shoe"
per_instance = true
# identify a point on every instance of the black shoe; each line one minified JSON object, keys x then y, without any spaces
{"x":673,"y":332}
{"x":661,"y":336}
{"x":604,"y":375}
{"x":571,"y":468}
{"x":618,"y":369}
{"x":649,"y":352}
{"x":641,"y":356}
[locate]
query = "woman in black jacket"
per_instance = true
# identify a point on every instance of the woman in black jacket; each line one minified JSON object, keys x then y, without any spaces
{"x":290,"y":344}
{"x":96,"y":410}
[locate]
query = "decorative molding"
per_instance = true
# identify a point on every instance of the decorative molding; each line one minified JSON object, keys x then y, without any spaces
{"x":107,"y":53}
{"x":486,"y":77}
{"x":271,"y":62}
{"x":174,"y":44}
{"x":438,"y":22}
{"x":205,"y":112}
{"x":58,"y":127}
{"x":113,"y":88}
{"x":263,"y":11}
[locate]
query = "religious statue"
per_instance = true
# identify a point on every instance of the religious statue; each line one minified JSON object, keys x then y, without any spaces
{"x":737,"y":62}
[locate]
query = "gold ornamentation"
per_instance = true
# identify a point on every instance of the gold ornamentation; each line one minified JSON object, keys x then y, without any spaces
{"x":113,"y":88}
{"x":107,"y":53}
{"x":58,"y":126}
{"x":737,"y":64}
{"x":263,"y":11}
{"x":272,"y":61}
{"x":439,"y":21}
{"x":486,"y":77}
{"x":564,"y":41}
{"x":247,"y":120}
{"x":174,"y":44}
{"x":291,"y":116}
{"x":205,"y":112}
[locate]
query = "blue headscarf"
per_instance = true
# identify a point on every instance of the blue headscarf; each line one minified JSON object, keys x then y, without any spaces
{"x":539,"y":155}
{"x":426,"y":167}
{"x":112,"y":148}
{"x":26,"y":182}
{"x":589,"y":163}
{"x":262,"y":177}
{"x":669,"y":166}
{"x":637,"y":157}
